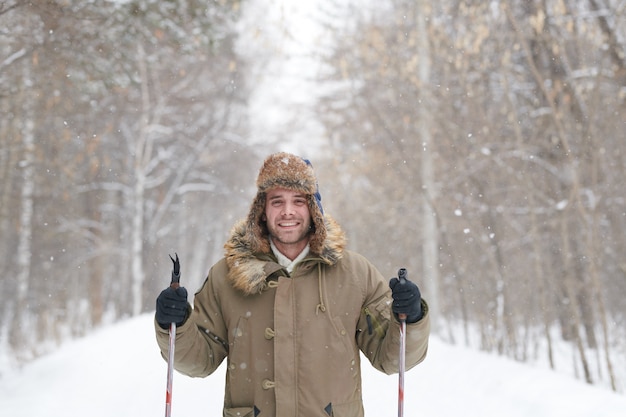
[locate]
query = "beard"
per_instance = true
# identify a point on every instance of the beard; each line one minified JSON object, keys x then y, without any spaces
{"x":290,"y":237}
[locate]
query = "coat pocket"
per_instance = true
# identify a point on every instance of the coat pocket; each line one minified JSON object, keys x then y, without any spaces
{"x":351,"y":409}
{"x":239,"y":412}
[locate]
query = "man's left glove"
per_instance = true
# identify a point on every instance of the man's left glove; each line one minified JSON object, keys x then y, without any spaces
{"x":172,"y":307}
{"x":406,"y":299}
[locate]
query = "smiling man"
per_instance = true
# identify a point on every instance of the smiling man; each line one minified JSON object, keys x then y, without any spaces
{"x":291,"y":308}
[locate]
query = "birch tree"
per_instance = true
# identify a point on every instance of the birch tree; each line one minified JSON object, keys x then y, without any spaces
{"x":23,"y":253}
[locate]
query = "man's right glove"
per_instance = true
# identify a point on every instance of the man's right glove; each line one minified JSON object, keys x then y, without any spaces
{"x":406,"y":299}
{"x":172,"y":307}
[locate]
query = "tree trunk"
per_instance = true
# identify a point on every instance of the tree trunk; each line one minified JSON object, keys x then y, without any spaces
{"x":142,"y":151}
{"x":430,"y":245}
{"x":573,"y":307}
{"x":25,"y":231}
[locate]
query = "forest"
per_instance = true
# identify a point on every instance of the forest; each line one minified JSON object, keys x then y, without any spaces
{"x":478,"y":144}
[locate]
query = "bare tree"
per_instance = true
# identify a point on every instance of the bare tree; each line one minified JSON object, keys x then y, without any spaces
{"x":110,"y":144}
{"x":519,"y":151}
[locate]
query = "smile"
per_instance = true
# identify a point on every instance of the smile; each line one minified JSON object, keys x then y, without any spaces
{"x":288,"y":224}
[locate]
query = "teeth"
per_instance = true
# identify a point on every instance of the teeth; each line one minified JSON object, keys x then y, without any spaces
{"x":288,"y":224}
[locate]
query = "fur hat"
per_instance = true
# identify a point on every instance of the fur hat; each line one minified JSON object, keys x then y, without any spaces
{"x":284,"y":170}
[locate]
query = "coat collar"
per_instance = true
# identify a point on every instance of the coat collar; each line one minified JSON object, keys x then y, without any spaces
{"x":248,"y":270}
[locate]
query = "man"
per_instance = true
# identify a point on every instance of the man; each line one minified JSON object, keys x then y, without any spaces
{"x":290,"y":308}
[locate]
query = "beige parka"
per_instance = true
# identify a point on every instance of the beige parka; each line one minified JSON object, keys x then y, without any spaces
{"x":293,"y":348}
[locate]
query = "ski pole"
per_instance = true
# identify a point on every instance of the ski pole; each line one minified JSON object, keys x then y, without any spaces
{"x":170,"y":359}
{"x":402,"y":355}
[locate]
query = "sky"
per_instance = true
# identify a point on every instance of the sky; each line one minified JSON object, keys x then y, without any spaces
{"x":118,"y":371}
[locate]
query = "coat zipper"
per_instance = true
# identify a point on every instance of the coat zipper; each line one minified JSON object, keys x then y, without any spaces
{"x":372,"y":323}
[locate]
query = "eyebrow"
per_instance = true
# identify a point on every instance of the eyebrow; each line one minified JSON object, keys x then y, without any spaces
{"x":277,"y":196}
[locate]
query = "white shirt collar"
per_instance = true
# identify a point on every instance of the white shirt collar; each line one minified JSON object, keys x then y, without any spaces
{"x":286,"y":262}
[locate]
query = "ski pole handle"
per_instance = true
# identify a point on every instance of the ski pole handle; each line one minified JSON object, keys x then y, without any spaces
{"x":402,"y":275}
{"x":175,"y":272}
{"x":402,"y":279}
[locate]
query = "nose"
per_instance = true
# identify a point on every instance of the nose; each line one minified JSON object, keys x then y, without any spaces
{"x":288,"y":209}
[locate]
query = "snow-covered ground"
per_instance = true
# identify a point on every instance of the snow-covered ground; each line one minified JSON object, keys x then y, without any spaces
{"x":118,"y":371}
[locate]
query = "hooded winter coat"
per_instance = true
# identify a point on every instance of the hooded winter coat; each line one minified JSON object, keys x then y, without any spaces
{"x":293,"y":348}
{"x":292,"y":340}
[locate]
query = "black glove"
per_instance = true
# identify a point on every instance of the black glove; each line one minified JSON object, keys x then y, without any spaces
{"x":406,"y":299}
{"x":172,"y":307}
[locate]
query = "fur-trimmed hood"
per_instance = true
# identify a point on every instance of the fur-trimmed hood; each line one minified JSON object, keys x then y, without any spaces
{"x":249,"y":269}
{"x":248,"y":250}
